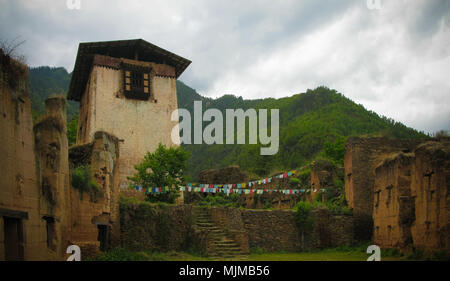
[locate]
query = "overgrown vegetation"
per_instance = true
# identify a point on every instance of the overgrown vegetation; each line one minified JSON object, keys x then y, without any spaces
{"x":221,"y":200}
{"x":162,"y":168}
{"x":121,"y":254}
{"x":83,"y":181}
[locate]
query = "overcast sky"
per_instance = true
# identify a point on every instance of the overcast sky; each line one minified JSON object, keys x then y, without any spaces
{"x":394,"y":60}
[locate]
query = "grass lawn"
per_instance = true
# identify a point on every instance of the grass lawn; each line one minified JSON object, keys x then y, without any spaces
{"x":326,"y":255}
{"x":338,"y":254}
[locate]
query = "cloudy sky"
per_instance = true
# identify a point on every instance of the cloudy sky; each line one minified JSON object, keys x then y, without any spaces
{"x":394,"y":58}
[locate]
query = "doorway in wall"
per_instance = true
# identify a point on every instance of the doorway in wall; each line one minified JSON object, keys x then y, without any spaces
{"x":13,"y":229}
{"x":103,"y":236}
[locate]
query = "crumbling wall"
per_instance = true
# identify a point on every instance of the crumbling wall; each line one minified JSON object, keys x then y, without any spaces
{"x":430,"y":187}
{"x":51,"y":150}
{"x":156,"y":227}
{"x":323,"y":174}
{"x":393,"y":211}
{"x":361,"y":158}
{"x":19,"y":194}
{"x":97,"y":208}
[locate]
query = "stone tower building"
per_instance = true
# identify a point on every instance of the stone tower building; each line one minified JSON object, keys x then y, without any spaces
{"x":126,"y":88}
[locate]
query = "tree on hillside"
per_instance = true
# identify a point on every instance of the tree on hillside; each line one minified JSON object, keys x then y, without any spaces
{"x":164,"y":167}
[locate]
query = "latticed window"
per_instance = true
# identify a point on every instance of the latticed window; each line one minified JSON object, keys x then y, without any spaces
{"x":137,"y":82}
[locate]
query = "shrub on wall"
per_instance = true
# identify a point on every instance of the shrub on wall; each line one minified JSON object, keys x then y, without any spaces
{"x":83,"y":181}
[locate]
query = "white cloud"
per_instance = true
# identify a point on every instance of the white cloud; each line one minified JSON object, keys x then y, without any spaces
{"x":394,"y":60}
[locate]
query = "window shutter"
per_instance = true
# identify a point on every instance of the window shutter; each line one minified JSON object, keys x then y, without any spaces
{"x":136,"y":82}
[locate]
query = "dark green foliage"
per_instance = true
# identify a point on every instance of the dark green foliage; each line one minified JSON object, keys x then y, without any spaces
{"x":313,"y":123}
{"x":47,"y":81}
{"x":83,"y":181}
{"x":72,"y":128}
{"x":120,"y":254}
{"x":302,"y":216}
{"x":164,"y":167}
{"x":221,"y":200}
{"x":335,"y":151}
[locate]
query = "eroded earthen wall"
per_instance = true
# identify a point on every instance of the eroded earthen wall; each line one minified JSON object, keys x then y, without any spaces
{"x":361,"y":158}
{"x":89,"y":211}
{"x":393,"y":211}
{"x":51,"y":150}
{"x":19,"y":196}
{"x":430,"y":187}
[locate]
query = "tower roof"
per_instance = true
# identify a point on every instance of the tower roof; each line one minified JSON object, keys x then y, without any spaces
{"x":129,"y":49}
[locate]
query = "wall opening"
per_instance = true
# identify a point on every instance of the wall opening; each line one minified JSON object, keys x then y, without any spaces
{"x":51,"y":233}
{"x":103,"y":236}
{"x":13,"y":229}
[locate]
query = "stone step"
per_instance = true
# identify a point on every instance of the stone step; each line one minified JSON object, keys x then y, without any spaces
{"x":206,"y":223}
{"x":224,"y":241}
{"x":229,"y":249}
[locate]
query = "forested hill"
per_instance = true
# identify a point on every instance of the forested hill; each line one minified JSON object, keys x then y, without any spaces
{"x":309,"y":122}
{"x":46,"y":81}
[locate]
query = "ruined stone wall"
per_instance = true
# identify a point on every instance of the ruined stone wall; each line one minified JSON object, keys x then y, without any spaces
{"x":156,"y":227}
{"x":88,"y":210}
{"x":430,"y":188}
{"x":139,"y":125}
{"x":393,"y":211}
{"x":276,"y":230}
{"x":411,"y":201}
{"x":360,"y":163}
{"x":19,"y":195}
{"x":323,"y":174}
{"x":361,"y":158}
{"x":51,"y":149}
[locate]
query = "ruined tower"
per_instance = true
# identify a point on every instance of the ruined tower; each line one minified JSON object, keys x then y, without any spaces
{"x":126,"y":88}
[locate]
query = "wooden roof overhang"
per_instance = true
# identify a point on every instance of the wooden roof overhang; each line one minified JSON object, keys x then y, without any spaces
{"x":136,"y":49}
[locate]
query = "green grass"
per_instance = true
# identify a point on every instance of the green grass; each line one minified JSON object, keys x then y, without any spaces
{"x":343,"y":253}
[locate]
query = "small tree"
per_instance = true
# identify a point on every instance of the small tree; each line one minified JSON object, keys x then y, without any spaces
{"x":303,"y":219}
{"x":164,"y":167}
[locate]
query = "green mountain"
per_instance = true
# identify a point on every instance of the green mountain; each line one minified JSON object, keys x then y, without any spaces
{"x":313,"y":124}
{"x":47,"y":81}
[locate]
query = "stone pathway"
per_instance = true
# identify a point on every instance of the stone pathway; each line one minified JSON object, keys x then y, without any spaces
{"x":222,"y":247}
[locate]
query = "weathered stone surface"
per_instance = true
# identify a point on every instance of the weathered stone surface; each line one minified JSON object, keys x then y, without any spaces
{"x":393,"y":211}
{"x":88,"y":211}
{"x":323,"y":174}
{"x":19,"y":193}
{"x":154,"y":227}
{"x":430,"y":187}
{"x":51,"y":148}
{"x":276,"y":230}
{"x":360,"y":160}
{"x":410,"y":185}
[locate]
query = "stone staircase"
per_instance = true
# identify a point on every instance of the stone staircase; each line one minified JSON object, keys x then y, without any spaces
{"x":221,"y":246}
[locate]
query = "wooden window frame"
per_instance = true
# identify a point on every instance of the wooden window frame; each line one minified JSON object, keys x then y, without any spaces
{"x":136,"y":82}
